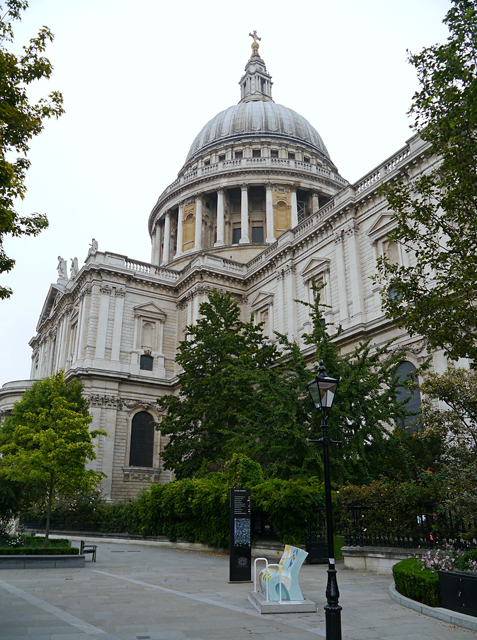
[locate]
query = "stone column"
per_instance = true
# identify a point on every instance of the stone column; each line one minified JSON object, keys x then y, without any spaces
{"x":294,"y":209}
{"x":355,"y":270}
{"x":315,"y":202}
{"x":118,"y":323}
{"x":220,"y":218}
{"x":105,"y":293}
{"x":244,"y":216}
{"x":180,"y":220}
{"x":280,"y":302}
{"x":269,"y":214}
{"x":198,"y":222}
{"x":341,"y":275}
{"x":167,"y":238}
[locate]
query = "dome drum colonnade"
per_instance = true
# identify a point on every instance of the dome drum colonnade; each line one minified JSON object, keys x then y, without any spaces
{"x":254,"y":171}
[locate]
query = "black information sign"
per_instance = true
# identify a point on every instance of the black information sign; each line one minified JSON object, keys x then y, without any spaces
{"x":240,"y":536}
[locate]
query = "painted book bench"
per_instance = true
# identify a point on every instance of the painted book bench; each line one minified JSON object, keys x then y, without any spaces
{"x":280,"y":581}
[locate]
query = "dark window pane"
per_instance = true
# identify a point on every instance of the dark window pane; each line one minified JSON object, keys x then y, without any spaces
{"x":412,"y":398}
{"x":274,"y":153}
{"x":256,"y":153}
{"x":291,"y":156}
{"x":236,"y":235}
{"x":257,"y":234}
{"x":238,"y":155}
{"x":146,"y":363}
{"x":142,"y":440}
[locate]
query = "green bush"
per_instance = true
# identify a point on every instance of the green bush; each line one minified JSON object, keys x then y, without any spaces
{"x":414,"y":582}
{"x":39,"y":551}
{"x":196,"y":509}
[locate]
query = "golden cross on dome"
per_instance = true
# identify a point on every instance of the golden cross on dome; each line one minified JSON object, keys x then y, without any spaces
{"x":255,"y":44}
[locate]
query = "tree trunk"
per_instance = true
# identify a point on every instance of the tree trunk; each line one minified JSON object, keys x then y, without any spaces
{"x":48,"y":511}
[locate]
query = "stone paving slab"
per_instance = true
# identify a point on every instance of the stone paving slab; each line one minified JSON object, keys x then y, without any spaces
{"x":157,"y":593}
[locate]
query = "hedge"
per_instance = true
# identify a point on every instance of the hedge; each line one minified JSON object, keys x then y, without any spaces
{"x":196,"y":510}
{"x":39,"y":551}
{"x":414,"y":582}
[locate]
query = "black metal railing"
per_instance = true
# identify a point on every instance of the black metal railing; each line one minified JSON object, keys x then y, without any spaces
{"x":425,"y":527}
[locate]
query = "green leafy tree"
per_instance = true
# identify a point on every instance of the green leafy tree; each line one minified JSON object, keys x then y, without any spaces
{"x":222,"y":360}
{"x":365,"y":410}
{"x":239,"y":395}
{"x":45,"y":443}
{"x":20,"y":121}
{"x":455,"y":423}
{"x":436,"y":213}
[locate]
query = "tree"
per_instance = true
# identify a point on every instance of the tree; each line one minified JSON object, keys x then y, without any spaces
{"x":455,"y":424}
{"x":20,"y":121}
{"x":435,"y":213}
{"x":45,"y":443}
{"x":366,"y":409}
{"x":221,"y":359}
{"x":240,"y":395}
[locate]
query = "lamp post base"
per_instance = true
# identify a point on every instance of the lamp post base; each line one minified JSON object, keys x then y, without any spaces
{"x":332,"y":609}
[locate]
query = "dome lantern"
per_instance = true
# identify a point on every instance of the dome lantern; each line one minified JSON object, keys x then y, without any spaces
{"x":256,"y":83}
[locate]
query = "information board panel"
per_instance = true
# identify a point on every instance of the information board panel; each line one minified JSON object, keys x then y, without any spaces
{"x":240,"y":536}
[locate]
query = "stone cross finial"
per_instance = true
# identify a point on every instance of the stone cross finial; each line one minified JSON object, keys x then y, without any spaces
{"x":255,"y":44}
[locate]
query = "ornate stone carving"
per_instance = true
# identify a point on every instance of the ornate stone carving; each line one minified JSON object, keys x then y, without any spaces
{"x":136,"y":473}
{"x":115,"y":402}
{"x":106,"y":288}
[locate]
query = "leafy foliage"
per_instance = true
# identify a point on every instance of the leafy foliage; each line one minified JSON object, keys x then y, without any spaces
{"x":20,"y":121}
{"x":436,"y":213}
{"x":45,"y":442}
{"x":417,"y":583}
{"x":223,"y":362}
{"x":455,"y":423}
{"x":239,"y":395}
{"x":365,"y":409}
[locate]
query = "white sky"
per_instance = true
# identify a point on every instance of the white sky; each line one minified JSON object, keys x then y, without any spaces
{"x":139,"y":82}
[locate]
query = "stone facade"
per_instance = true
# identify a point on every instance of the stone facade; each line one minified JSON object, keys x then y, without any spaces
{"x":258,"y":210}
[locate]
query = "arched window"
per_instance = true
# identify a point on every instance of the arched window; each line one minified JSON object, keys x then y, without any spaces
{"x":411,"y":398}
{"x":142,"y":440}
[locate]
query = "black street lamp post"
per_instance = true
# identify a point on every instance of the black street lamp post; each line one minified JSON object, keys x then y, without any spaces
{"x":322,"y":390}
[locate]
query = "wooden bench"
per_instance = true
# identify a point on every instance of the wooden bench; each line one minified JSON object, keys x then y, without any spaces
{"x":88,"y":548}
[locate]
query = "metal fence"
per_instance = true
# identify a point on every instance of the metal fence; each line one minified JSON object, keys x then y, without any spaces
{"x":427,"y":527}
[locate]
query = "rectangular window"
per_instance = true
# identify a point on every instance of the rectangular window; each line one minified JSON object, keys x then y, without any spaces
{"x":238,"y":155}
{"x":306,"y":159}
{"x":257,"y":234}
{"x":207,"y":163}
{"x":274,"y":153}
{"x":222,"y":158}
{"x":236,"y":235}
{"x":256,"y":153}
{"x":291,"y":156}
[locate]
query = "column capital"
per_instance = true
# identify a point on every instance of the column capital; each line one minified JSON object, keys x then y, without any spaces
{"x":244,"y":186}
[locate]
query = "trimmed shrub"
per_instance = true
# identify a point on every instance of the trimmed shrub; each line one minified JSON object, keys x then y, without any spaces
{"x":414,"y":582}
{"x":39,"y":551}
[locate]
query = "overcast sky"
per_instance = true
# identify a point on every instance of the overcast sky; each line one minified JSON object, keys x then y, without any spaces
{"x":141,"y":79}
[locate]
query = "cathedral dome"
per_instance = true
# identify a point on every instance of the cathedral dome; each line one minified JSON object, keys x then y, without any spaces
{"x":254,"y":118}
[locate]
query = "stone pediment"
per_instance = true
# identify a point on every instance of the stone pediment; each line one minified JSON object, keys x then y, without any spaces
{"x":383,"y":225}
{"x":315,"y":266}
{"x":262,"y":299}
{"x":55,"y":291}
{"x":151,"y":310}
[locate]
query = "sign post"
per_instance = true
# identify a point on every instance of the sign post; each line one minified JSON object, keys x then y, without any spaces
{"x":240,"y":536}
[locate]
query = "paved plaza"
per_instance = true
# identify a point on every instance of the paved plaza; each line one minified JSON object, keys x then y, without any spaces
{"x":139,"y":592}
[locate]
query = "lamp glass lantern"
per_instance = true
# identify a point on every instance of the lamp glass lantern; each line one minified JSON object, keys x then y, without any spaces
{"x":322,"y":390}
